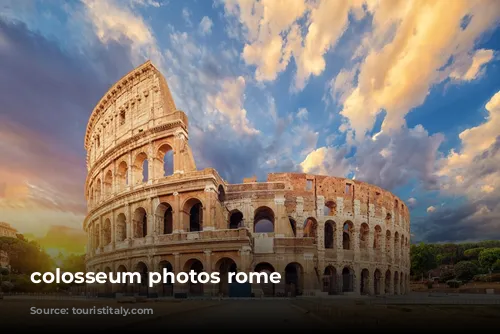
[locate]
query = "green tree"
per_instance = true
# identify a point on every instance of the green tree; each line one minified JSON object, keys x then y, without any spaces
{"x":25,"y":256}
{"x":488,"y":257}
{"x":465,"y":270}
{"x":473,"y":253}
{"x":423,"y":258}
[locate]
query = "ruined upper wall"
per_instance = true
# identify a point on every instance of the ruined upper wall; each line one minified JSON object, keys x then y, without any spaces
{"x":138,"y":101}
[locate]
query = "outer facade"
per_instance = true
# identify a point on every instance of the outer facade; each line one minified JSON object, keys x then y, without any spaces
{"x":151,"y":208}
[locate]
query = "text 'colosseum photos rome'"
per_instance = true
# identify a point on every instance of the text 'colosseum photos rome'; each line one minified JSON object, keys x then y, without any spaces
{"x":150,"y":207}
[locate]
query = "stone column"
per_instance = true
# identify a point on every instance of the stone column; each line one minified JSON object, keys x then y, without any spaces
{"x":176,"y":214}
{"x":208,"y":287}
{"x":130,"y":171}
{"x":128,"y":222}
{"x":355,"y":236}
{"x":382,"y":284}
{"x":151,"y":163}
{"x":371,"y":239}
{"x":279,"y":202}
{"x":299,"y":209}
{"x":209,"y":208}
{"x":338,"y":243}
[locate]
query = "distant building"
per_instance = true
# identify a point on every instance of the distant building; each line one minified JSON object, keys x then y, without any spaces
{"x":7,"y":231}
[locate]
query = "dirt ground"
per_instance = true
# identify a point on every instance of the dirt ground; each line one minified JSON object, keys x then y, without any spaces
{"x":17,"y":313}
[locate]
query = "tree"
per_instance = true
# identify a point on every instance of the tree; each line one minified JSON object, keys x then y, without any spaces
{"x":473,"y":253}
{"x":25,"y":256}
{"x":488,"y":257}
{"x":465,"y":270}
{"x":3,"y":272}
{"x":423,"y":258}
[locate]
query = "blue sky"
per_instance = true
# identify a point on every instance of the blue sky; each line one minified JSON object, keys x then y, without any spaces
{"x":401,"y":94}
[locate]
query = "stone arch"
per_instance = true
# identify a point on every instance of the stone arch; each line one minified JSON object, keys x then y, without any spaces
{"x":364,"y":283}
{"x":377,"y":278}
{"x":294,"y":279}
{"x":347,"y":279}
{"x":263,"y":221}
{"x":164,"y":162}
{"x":330,"y":283}
{"x":140,"y":223}
{"x":108,"y":183}
{"x":235,"y":219}
{"x":167,"y":287}
{"x":120,"y":227}
{"x":377,"y":238}
{"x":396,"y":283}
{"x":329,"y":235}
{"x":121,"y":176}
{"x":268,"y":289}
{"x":165,"y":216}
{"x":225,"y":266}
{"x":347,"y":235}
{"x":140,"y":168}
{"x":197,"y":266}
{"x":193,"y":214}
{"x":364,"y":236}
{"x":388,"y":281}
{"x":330,"y":208}
{"x":221,"y":194}
{"x":97,"y":190}
{"x":106,"y":232}
{"x":311,"y":228}
{"x":142,"y":287}
{"x":293,"y":226}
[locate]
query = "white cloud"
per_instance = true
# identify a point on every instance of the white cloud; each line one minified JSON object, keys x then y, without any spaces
{"x":326,"y":161}
{"x":470,"y":68}
{"x":431,"y":209}
{"x":186,"y":15}
{"x":302,"y":113}
{"x":206,"y":26}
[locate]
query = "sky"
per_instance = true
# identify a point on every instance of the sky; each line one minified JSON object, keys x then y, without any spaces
{"x":401,"y":94}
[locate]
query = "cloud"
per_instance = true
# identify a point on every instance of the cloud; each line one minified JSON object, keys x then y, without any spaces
{"x":412,"y":202}
{"x":471,"y":67}
{"x":206,"y":25}
{"x":431,"y":209}
{"x":326,"y":161}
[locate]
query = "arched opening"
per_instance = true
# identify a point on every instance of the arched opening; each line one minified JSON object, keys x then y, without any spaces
{"x":106,"y":232}
{"x":396,"y":283}
{"x":329,"y":234}
{"x":97,"y":189}
{"x":108,"y":287}
{"x":91,"y":195}
{"x":123,"y":286}
{"x":330,"y":284}
{"x":140,"y":223}
{"x":108,"y":183}
{"x":263,"y":220}
{"x":347,"y":280}
{"x":388,"y":245}
{"x":348,"y":230}
{"x":401,"y":283}
{"x":194,"y":211}
{"x":377,"y":237}
{"x":122,"y":176}
{"x":235,"y":219}
{"x":195,"y":265}
{"x":221,"y":194}
{"x":167,"y":287}
{"x":311,"y":228}
{"x":164,"y":161}
{"x":330,"y":208}
{"x":269,"y":287}
{"x":97,"y":236}
{"x":225,"y":266}
{"x":387,"y":281}
{"x":293,"y":279}
{"x":141,"y":168}
{"x":293,"y":226}
{"x":120,"y":227}
{"x":402,"y":248}
{"x":396,"y":245}
{"x":364,"y":287}
{"x":377,"y":275}
{"x":142,"y":287}
{"x":164,"y":213}
{"x":364,"y":233}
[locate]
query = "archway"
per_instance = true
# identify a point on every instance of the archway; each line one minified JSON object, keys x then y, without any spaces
{"x":225,"y":266}
{"x":347,"y":280}
{"x":293,"y":279}
{"x":164,"y":161}
{"x":121,"y":227}
{"x":106,"y":231}
{"x":348,"y":230}
{"x":293,"y":226}
{"x":364,"y":233}
{"x":221,"y":194}
{"x":388,"y":245}
{"x":235,"y":219}
{"x":377,"y":275}
{"x":396,"y":283}
{"x":263,"y":220}
{"x":311,"y":228}
{"x":330,"y":208}
{"x":330,"y":284}
{"x":329,"y":234}
{"x":401,"y":283}
{"x":193,"y":209}
{"x":167,"y":288}
{"x":268,"y":289}
{"x":140,"y":223}
{"x":165,"y":213}
{"x":142,"y":287}
{"x":388,"y":281}
{"x":108,"y":184}
{"x":377,"y":238}
{"x":141,"y":168}
{"x":195,"y":289}
{"x":123,"y":286}
{"x":122,"y":176}
{"x":364,"y":282}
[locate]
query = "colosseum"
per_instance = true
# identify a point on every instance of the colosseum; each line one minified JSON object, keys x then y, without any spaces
{"x":150,"y":208}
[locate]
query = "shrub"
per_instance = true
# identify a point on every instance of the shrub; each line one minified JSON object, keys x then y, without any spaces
{"x":454,"y":284}
{"x":465,"y":270}
{"x":446,"y":275}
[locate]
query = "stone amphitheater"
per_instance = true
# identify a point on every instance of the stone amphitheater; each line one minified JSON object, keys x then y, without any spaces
{"x":150,"y":208}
